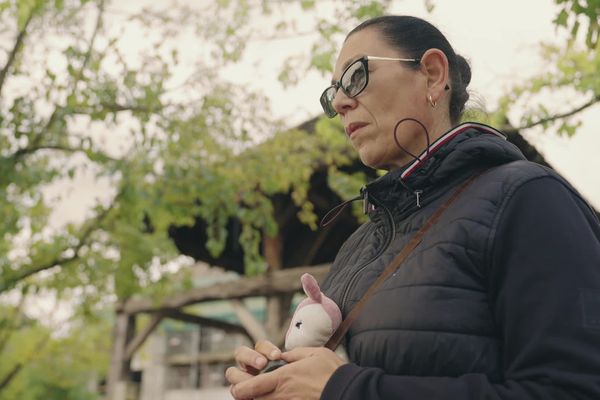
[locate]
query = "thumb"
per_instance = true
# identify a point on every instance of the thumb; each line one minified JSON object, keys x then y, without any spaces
{"x":300,"y":353}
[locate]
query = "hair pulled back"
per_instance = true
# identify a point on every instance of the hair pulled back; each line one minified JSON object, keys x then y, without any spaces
{"x":414,"y":36}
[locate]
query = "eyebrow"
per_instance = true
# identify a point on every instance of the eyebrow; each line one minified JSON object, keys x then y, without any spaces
{"x":347,"y":63}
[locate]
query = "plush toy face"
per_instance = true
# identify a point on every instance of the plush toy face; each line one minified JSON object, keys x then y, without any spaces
{"x":315,"y":319}
{"x":311,"y":326}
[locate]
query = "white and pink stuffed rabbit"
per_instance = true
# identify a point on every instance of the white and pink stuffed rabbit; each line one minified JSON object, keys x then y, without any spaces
{"x":316,"y":318}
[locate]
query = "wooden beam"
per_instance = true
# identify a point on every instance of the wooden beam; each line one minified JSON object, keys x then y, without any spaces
{"x":201,"y":358}
{"x":209,"y":322}
{"x":277,"y":282}
{"x":141,"y":337}
{"x":253,"y":326}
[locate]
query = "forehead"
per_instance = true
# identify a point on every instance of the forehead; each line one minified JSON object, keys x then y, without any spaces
{"x":368,"y":41}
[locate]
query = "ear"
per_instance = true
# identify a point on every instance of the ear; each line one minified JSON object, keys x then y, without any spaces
{"x":434,"y":64}
{"x":311,"y":287}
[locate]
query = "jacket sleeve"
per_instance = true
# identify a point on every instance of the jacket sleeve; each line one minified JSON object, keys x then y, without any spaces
{"x":544,"y":286}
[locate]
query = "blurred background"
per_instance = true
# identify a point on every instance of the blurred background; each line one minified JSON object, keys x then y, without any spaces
{"x":164,"y":166}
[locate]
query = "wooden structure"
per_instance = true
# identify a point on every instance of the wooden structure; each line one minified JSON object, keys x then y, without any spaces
{"x":295,"y":250}
{"x":278,"y":286}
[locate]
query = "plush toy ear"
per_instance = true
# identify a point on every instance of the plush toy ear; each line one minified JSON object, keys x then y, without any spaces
{"x":311,"y":287}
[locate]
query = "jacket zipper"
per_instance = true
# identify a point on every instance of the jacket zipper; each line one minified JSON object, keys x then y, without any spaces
{"x":354,"y":277}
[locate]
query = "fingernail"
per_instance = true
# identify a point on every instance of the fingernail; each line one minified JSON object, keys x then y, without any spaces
{"x":275,"y":354}
{"x":260,"y":362}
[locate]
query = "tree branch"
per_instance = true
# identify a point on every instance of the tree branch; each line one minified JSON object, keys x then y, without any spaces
{"x":15,"y":50}
{"x":88,"y":54}
{"x":552,"y":118}
{"x":112,"y":107}
{"x":60,"y":109}
{"x":115,"y":107}
{"x":29,"y":150}
{"x":17,"y":316}
{"x":19,"y":365}
{"x":61,"y":260}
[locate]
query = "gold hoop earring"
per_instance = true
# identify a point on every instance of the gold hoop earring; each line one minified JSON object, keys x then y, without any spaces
{"x":431,"y":102}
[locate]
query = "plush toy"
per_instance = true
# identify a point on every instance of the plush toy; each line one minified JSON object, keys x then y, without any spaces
{"x":316,"y":318}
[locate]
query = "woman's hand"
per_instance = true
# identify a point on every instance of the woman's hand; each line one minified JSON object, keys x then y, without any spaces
{"x":304,"y":377}
{"x":251,"y":362}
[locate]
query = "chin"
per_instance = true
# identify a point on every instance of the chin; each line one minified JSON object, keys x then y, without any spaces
{"x":378,"y":163}
{"x":370,"y":162}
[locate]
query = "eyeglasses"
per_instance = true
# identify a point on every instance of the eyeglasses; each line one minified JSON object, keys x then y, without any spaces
{"x":353,"y":81}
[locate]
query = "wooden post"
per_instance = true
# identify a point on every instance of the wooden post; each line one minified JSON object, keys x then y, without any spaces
{"x":272,"y":249}
{"x":120,"y":365}
{"x":253,"y":327}
{"x":277,"y":305}
{"x":136,"y":342}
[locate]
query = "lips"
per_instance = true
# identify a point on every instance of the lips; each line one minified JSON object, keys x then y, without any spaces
{"x":354,"y":126}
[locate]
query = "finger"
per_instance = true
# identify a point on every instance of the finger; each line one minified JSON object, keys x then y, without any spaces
{"x":299,"y":353}
{"x":249,"y":360}
{"x":268,"y":349}
{"x":235,"y":375}
{"x":257,"y":386}
{"x":232,"y":396}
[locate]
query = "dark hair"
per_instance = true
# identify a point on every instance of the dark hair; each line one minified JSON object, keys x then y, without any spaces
{"x":414,"y":36}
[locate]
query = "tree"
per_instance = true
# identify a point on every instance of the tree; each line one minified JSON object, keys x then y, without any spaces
{"x":571,"y":79}
{"x":176,"y":140}
{"x":37,"y":364}
{"x":183,"y":145}
{"x":571,"y":15}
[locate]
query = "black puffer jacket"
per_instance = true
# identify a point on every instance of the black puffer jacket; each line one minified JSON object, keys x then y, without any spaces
{"x":501,"y":300}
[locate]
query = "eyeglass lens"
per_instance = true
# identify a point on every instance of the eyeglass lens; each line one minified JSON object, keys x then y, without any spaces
{"x":354,"y":79}
{"x":352,"y":82}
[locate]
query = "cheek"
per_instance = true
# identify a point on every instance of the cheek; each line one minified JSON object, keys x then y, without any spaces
{"x":390,"y":105}
{"x":388,"y":115}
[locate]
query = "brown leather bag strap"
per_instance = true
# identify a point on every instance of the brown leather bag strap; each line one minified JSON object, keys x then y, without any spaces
{"x":340,"y":332}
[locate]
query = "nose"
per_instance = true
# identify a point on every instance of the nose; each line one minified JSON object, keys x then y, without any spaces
{"x":342,"y":103}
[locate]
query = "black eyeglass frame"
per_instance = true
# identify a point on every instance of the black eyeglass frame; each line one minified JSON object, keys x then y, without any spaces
{"x":364,"y":60}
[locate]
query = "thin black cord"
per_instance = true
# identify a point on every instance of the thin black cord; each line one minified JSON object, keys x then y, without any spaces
{"x":398,"y":142}
{"x":335,"y":212}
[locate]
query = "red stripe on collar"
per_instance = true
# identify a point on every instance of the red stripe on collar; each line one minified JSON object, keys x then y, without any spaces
{"x":442,"y":140}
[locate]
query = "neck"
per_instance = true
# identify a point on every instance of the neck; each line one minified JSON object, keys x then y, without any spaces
{"x":438,"y":127}
{"x":435,"y":129}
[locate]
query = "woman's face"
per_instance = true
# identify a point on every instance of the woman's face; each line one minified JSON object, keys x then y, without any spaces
{"x":394,"y":91}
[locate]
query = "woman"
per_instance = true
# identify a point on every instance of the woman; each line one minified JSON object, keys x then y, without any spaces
{"x":501,"y":299}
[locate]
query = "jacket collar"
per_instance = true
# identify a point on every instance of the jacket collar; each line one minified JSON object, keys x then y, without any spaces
{"x":462,"y":150}
{"x":424,"y":157}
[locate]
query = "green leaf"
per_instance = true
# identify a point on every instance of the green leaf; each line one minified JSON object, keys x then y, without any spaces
{"x":370,"y":10}
{"x":307,"y":4}
{"x":562,"y":18}
{"x":323,"y":61}
{"x":5,"y":5}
